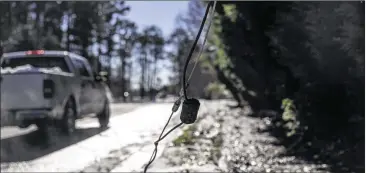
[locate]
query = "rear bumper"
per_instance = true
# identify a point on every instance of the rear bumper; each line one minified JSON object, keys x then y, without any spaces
{"x":18,"y":117}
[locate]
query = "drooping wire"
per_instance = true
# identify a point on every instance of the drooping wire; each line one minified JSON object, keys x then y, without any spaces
{"x":185,"y":84}
{"x":192,"y":49}
{"x":204,"y":41}
{"x":156,"y":143}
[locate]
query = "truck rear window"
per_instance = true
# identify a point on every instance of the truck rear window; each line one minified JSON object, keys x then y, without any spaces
{"x":37,"y":62}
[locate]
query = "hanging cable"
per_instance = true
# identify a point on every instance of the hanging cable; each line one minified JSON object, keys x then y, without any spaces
{"x":192,"y":49}
{"x":204,"y":41}
{"x":190,"y":106}
{"x":156,"y":143}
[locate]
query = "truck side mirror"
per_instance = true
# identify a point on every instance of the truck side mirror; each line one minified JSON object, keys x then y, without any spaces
{"x":100,"y":76}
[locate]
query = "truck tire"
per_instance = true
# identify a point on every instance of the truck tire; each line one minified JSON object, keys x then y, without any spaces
{"x":42,"y":125}
{"x":69,"y":118}
{"x":44,"y":130}
{"x":104,"y":115}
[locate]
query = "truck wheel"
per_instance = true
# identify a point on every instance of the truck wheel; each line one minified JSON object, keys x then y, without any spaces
{"x":69,"y":118}
{"x":44,"y":130}
{"x":42,"y":125}
{"x":104,"y":115}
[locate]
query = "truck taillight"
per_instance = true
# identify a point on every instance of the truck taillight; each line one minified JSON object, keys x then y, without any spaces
{"x":35,"y":52}
{"x":48,"y":88}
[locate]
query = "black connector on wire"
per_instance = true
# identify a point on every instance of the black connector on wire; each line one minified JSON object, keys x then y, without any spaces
{"x":190,"y":106}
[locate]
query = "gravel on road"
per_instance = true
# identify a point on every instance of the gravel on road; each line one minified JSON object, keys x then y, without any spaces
{"x":227,"y":140}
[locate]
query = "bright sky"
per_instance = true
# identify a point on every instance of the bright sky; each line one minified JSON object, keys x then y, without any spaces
{"x":159,"y":13}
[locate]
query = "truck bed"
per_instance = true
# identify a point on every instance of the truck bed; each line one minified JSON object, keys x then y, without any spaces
{"x":22,"y":91}
{"x":25,"y":90}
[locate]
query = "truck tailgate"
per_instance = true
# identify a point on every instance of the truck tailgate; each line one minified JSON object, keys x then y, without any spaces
{"x":23,"y":91}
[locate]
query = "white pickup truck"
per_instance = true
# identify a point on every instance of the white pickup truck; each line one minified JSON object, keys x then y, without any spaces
{"x":50,"y":88}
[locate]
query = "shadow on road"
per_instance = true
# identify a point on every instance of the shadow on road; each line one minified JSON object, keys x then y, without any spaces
{"x":342,"y":152}
{"x":35,"y":144}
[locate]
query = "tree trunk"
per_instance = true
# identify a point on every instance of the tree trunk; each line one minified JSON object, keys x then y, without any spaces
{"x":37,"y":23}
{"x":128,"y":79}
{"x":10,"y":15}
{"x":230,"y":86}
{"x":68,"y":31}
{"x":152,"y":87}
{"x":123,"y":71}
{"x":143,"y":73}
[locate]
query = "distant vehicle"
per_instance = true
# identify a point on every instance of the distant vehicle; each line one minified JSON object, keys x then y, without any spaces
{"x":50,"y":88}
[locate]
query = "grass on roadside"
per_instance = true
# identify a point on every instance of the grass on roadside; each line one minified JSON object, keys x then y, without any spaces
{"x":186,"y":138}
{"x":195,"y":136}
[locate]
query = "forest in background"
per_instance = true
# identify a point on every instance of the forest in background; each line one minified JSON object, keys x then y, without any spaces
{"x":304,"y":61}
{"x":102,"y":32}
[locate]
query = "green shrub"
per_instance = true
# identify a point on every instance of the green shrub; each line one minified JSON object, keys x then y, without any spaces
{"x":215,"y":90}
{"x":289,"y":116}
{"x":186,"y":137}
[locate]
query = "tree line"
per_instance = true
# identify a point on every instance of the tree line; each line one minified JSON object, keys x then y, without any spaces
{"x":310,"y":52}
{"x":304,"y":60}
{"x":98,"y":30}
